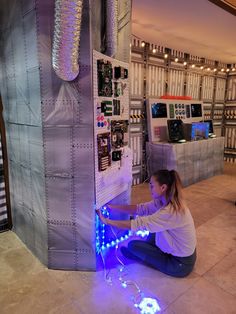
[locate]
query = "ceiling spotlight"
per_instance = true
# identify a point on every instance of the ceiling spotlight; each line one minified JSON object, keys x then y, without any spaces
{"x":233,"y":69}
{"x":166,"y":55}
{"x":176,"y":59}
{"x":215,"y":69}
{"x":227,"y":70}
{"x":202,"y":67}
{"x":222,"y":70}
{"x":193,"y":65}
{"x":143,"y":44}
{"x":154,"y":50}
{"x":185,"y":63}
{"x":208,"y":69}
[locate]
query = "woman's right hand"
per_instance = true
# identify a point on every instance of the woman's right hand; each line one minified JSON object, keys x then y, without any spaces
{"x":102,"y":218}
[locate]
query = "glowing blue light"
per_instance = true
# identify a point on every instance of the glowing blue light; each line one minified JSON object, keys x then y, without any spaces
{"x":142,"y":233}
{"x":124,"y":284}
{"x":148,"y":306}
{"x":102,"y":236}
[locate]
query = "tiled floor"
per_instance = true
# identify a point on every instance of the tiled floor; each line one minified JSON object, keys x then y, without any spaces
{"x":26,"y":286}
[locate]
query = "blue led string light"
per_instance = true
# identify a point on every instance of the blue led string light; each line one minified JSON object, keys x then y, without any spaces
{"x":142,"y":233}
{"x":148,"y":306}
{"x":101,"y":243}
{"x":144,"y":304}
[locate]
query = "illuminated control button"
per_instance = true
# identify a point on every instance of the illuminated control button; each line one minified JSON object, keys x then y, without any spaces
{"x":102,"y":118}
{"x":98,"y":118}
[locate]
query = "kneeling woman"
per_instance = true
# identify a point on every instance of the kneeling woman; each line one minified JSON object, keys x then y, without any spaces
{"x":171,"y":245}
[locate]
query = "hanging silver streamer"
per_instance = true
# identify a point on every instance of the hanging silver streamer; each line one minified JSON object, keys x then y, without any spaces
{"x":66,"y":39}
{"x":111,"y":27}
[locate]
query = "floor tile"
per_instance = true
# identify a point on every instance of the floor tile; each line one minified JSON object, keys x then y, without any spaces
{"x":158,"y":285}
{"x":223,"y":274}
{"x":204,"y":298}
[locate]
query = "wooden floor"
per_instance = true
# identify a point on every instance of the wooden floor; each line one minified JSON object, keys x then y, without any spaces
{"x":26,"y":286}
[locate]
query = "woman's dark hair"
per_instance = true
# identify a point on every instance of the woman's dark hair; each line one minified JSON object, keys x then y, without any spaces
{"x":174,"y":192}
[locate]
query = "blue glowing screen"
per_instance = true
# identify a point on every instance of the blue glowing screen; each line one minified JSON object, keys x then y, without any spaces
{"x":200,"y":131}
{"x":159,"y":110}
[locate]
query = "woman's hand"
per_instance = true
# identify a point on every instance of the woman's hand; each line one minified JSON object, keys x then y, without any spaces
{"x":122,"y":224}
{"x":102,"y":218}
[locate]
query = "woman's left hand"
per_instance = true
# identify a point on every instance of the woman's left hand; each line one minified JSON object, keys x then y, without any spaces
{"x":102,"y":218}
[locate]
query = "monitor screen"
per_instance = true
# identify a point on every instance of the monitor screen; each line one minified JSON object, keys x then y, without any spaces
{"x":200,"y":131}
{"x":175,"y":130}
{"x":196,"y":110}
{"x":211,"y":130}
{"x":159,"y":110}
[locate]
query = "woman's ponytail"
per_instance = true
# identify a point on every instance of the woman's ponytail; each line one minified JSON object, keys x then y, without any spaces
{"x":174,"y":192}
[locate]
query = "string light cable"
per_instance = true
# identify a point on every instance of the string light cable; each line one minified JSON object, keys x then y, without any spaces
{"x":107,"y":278}
{"x":143,"y":304}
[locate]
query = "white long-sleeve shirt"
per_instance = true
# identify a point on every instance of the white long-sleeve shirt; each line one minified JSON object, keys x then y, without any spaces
{"x":175,"y":232}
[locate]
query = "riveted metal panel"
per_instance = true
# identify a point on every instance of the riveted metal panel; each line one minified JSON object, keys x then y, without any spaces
{"x":38,"y":194}
{"x":34,"y":100}
{"x":36,"y":149}
{"x":22,"y":110}
{"x":59,"y":198}
{"x":58,"y":146}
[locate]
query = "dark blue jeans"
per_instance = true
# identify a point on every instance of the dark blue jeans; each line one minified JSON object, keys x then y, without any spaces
{"x":150,"y":254}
